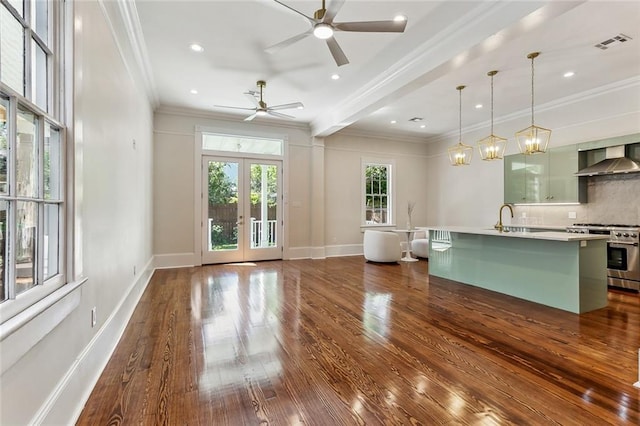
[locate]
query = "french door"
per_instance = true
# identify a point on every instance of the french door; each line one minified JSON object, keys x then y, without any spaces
{"x":242,"y":209}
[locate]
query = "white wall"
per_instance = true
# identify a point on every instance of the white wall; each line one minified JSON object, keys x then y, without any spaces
{"x":471,"y":195}
{"x":343,"y":155}
{"x":114,"y":185}
{"x":174,"y":201}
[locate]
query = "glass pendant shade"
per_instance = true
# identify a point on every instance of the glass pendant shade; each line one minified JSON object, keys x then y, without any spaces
{"x":460,"y":154}
{"x":492,"y":147}
{"x":533,"y":139}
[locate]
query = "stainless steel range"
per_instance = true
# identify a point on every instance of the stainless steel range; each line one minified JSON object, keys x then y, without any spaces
{"x":623,"y":253}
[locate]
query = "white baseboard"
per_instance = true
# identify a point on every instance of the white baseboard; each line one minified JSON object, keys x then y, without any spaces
{"x":294,"y":253}
{"x":67,"y":400}
{"x":344,"y":250}
{"x":175,"y":260}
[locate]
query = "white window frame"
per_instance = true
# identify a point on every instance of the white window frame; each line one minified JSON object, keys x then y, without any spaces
{"x":391,"y":191}
{"x":58,"y":107}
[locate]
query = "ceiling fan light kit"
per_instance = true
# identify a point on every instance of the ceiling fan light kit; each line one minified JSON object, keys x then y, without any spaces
{"x":492,"y":147}
{"x":323,"y":27}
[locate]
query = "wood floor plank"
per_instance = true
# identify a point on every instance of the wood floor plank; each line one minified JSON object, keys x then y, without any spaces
{"x":342,"y":342}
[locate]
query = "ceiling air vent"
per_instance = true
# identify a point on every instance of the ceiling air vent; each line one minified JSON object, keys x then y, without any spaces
{"x":620,"y":38}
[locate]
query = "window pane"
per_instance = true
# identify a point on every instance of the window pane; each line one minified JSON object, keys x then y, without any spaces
{"x":230,"y":143}
{"x":27,"y":220}
{"x":40,"y":19}
{"x":18,"y":5}
{"x":3,"y":249}
{"x":376,"y":195}
{"x":38,"y":75}
{"x":26,"y":155}
{"x":51,"y":240}
{"x":4,"y":144}
{"x":12,"y":49}
{"x":52,"y":163}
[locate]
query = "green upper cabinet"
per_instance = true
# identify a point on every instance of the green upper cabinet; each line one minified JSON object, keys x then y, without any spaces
{"x":544,"y":178}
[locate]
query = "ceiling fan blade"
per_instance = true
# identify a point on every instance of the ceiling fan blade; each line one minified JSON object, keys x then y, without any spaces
{"x":286,"y":106}
{"x":288,"y":42}
{"x":336,"y":52}
{"x":252,"y":99}
{"x":251,"y":117}
{"x":310,"y":19}
{"x":372,"y":26}
{"x":332,"y":11}
{"x":279,"y":114}
{"x":233,"y":107}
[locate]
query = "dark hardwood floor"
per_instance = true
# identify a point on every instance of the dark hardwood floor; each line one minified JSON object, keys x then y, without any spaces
{"x":342,"y":342}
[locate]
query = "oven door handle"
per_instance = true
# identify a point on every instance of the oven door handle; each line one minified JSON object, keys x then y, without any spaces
{"x":621,"y":243}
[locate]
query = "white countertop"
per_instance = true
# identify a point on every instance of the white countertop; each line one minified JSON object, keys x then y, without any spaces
{"x":544,"y":235}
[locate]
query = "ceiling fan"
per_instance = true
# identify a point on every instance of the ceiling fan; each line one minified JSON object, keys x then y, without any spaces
{"x":323,"y":27}
{"x":261,"y":109}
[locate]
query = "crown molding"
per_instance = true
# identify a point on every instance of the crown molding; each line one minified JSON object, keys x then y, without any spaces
{"x":131,"y":22}
{"x":229,"y":118}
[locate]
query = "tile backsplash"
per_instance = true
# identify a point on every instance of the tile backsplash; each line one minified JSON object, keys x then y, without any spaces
{"x":610,"y":199}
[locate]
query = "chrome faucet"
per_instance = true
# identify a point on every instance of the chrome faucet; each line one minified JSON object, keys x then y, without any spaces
{"x":498,"y":225}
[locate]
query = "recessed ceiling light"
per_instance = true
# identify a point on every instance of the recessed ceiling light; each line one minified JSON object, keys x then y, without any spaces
{"x":399,"y":18}
{"x":196,"y":47}
{"x":478,"y":106}
{"x":335,"y":76}
{"x":393,"y":121}
{"x":193,"y":91}
{"x":422,"y":126}
{"x":569,"y":74}
{"x":300,"y":106}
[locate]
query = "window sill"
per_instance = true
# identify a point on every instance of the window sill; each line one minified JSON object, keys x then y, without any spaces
{"x":23,"y":331}
{"x":386,"y":227}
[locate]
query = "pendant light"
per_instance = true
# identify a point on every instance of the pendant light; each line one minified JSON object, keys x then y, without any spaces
{"x":533,"y":139}
{"x":492,"y":147}
{"x":460,"y":154}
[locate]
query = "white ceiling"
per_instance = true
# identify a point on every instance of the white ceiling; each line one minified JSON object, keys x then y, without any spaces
{"x":390,"y":76}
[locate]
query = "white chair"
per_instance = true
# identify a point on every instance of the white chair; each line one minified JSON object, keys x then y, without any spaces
{"x":380,"y":246}
{"x":420,"y":244}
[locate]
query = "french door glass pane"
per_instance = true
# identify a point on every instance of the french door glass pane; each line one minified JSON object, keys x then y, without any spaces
{"x":223,"y":205}
{"x":38,"y":75}
{"x":4,"y":144}
{"x":3,"y":249}
{"x":52,"y":163}
{"x":51,"y":239}
{"x":26,"y":221}
{"x":264,"y":205}
{"x":26,"y":155}
{"x":12,"y":48}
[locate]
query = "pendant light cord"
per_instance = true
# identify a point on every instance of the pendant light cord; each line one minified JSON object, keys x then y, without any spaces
{"x":492,"y":104}
{"x":532,"y":58}
{"x":460,"y":116}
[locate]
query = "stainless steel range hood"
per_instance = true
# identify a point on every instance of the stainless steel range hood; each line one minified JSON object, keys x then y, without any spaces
{"x":614,"y":162}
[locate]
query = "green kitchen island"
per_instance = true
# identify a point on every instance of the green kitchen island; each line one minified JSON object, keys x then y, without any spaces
{"x":557,"y":269}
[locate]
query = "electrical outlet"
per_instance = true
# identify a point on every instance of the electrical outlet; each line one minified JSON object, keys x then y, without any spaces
{"x":524,"y":215}
{"x":134,"y":270}
{"x":572,"y":215}
{"x":94,"y":317}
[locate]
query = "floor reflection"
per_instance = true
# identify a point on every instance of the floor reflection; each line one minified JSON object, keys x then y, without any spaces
{"x":239,"y":328}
